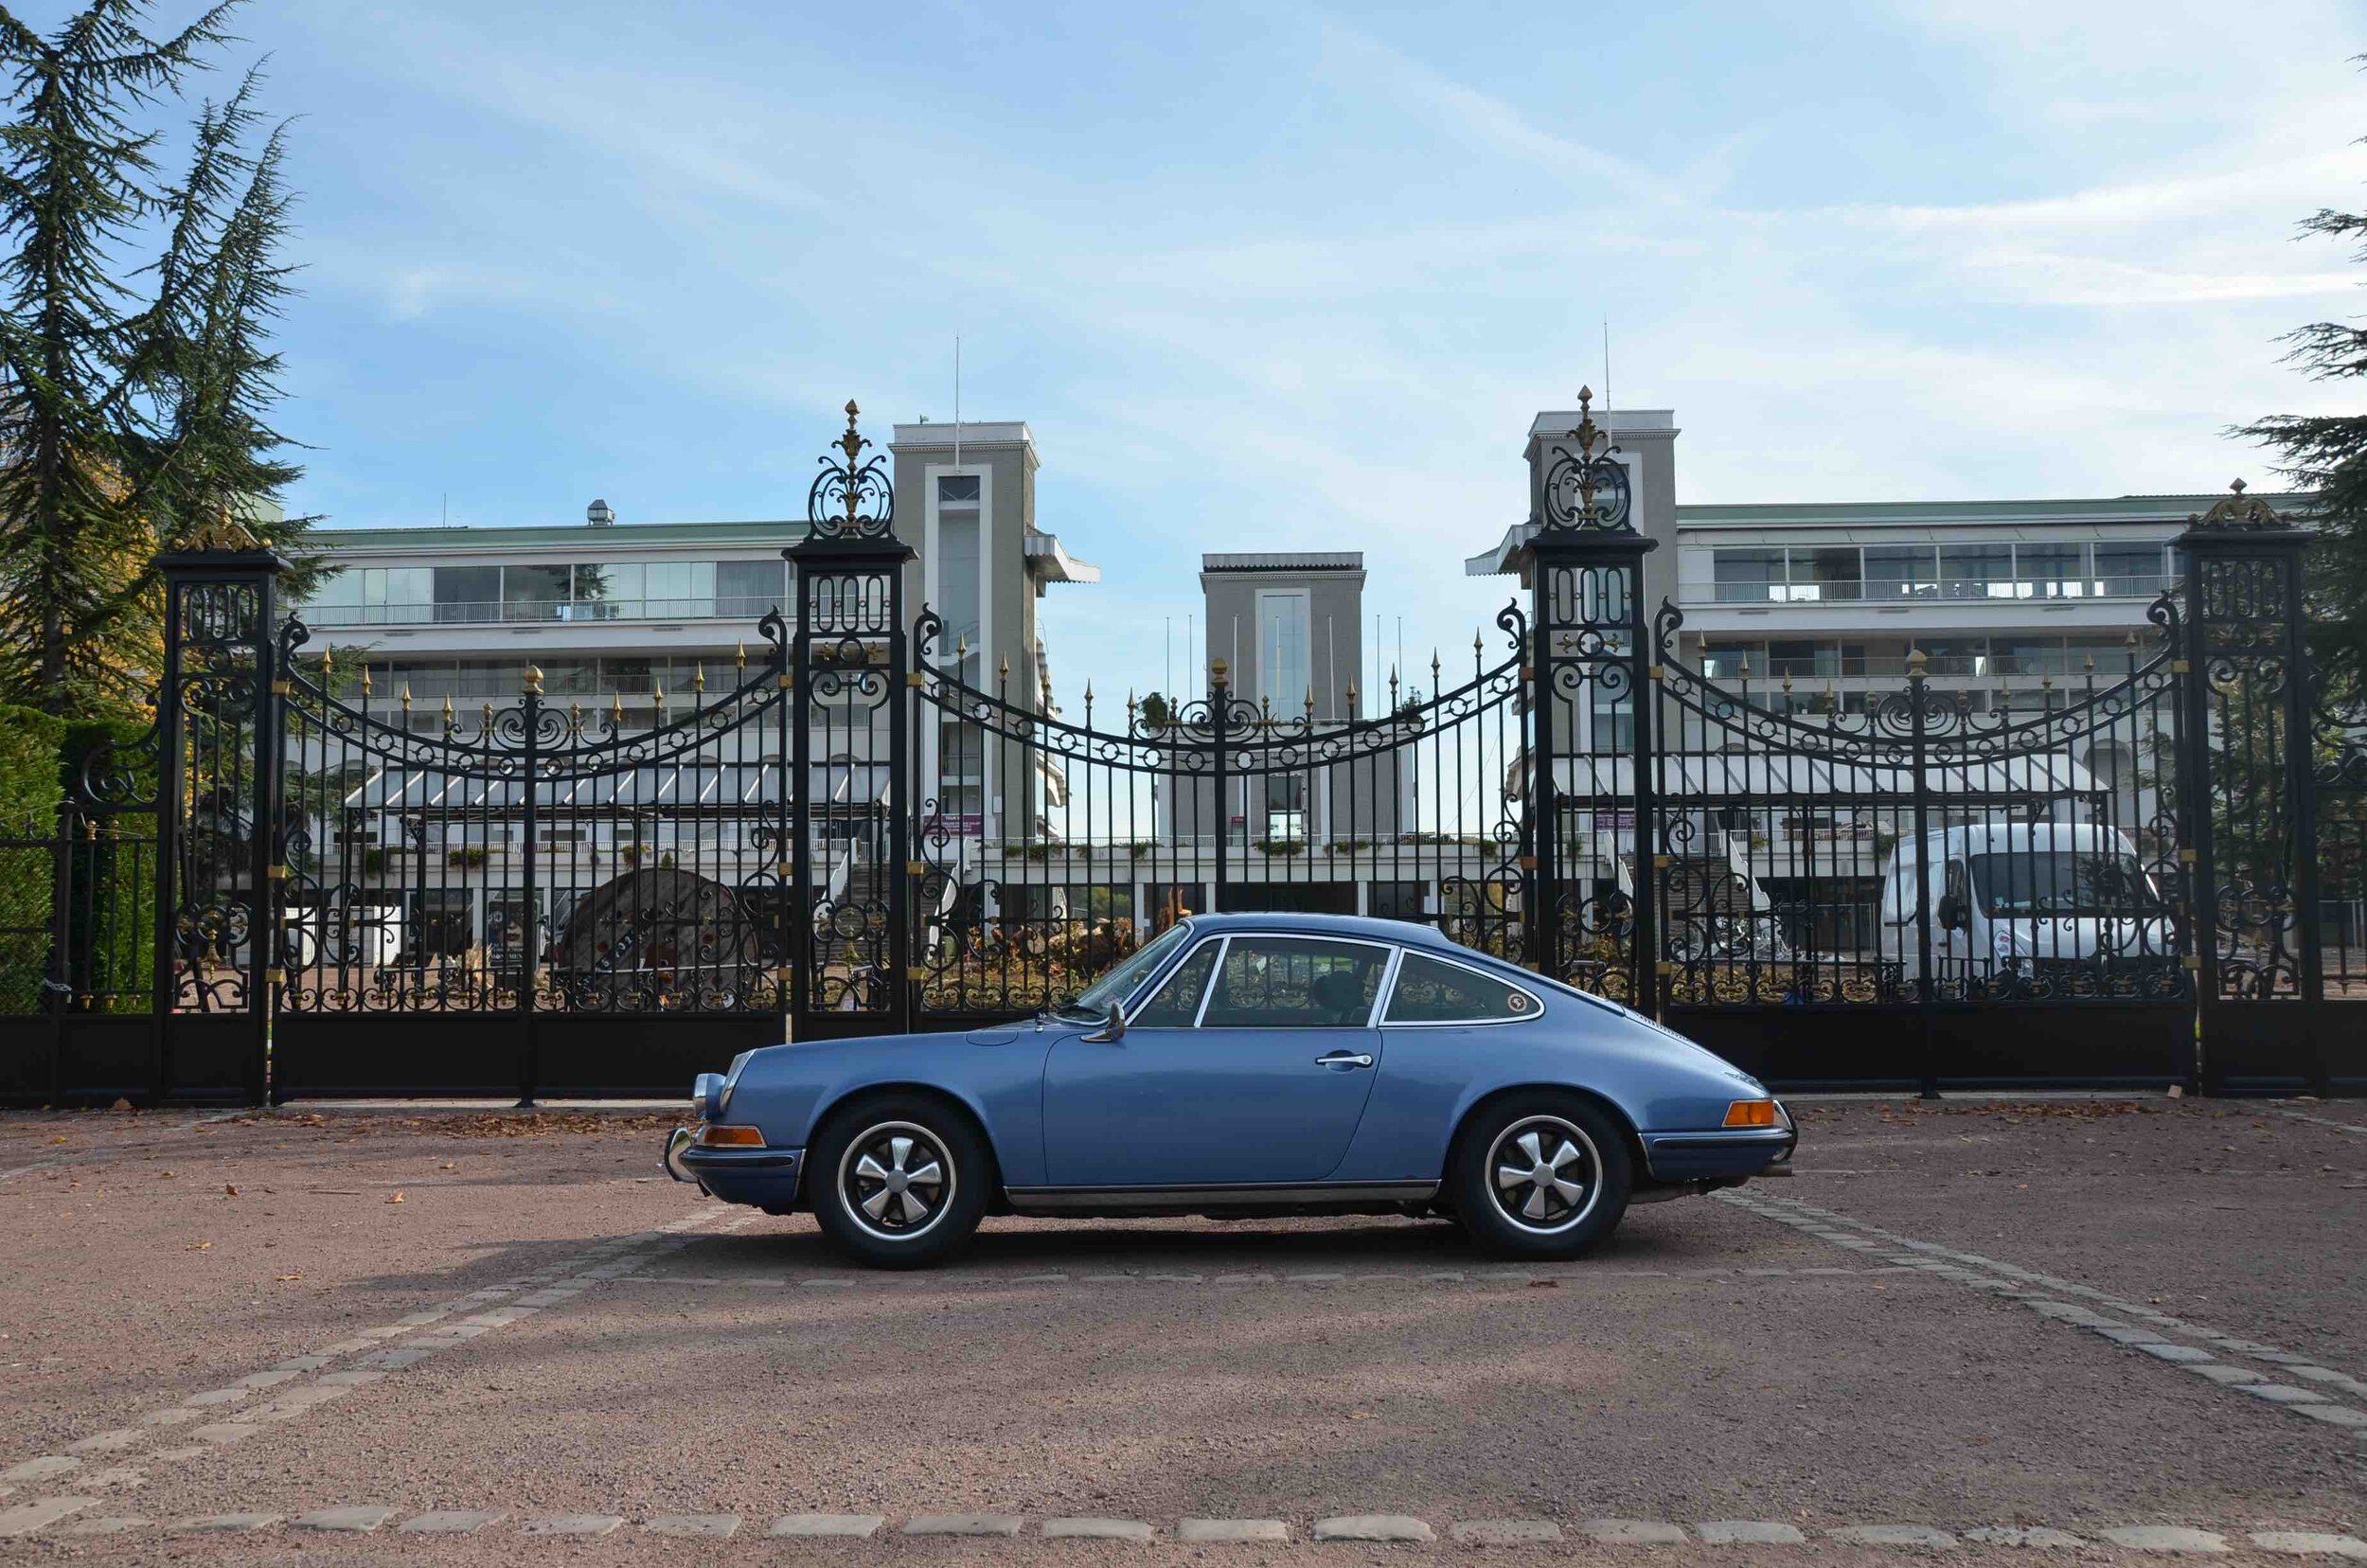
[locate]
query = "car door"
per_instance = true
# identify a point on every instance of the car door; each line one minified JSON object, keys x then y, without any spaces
{"x":1250,"y":1067}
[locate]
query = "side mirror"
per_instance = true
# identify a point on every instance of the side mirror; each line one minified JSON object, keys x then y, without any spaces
{"x":1113,"y":1029}
{"x":1950,"y":913}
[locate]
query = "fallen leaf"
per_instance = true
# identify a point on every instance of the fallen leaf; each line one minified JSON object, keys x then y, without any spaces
{"x":57,"y":1140}
{"x":286,"y":1279}
{"x":199,"y":1246}
{"x":396,"y":1198}
{"x":1544,"y":1284}
{"x":229,"y":1190}
{"x":1362,"y":1416}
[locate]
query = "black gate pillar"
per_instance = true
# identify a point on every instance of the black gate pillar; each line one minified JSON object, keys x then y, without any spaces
{"x":2246,"y":778}
{"x":849,"y":783}
{"x":1589,"y":668}
{"x":220,"y":863}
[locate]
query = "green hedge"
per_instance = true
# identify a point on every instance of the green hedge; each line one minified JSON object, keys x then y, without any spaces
{"x":30,"y":788}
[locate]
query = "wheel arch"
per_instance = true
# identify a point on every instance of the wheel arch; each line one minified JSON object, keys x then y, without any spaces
{"x":839,"y":1099}
{"x":1638,"y":1165}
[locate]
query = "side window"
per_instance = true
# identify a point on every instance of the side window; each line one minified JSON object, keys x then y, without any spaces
{"x":1429,"y":991}
{"x":1295,"y":982}
{"x":1177,"y":1002}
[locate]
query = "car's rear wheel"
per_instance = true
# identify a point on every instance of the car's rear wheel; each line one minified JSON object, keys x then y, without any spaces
{"x":1540,"y":1175}
{"x":898,"y":1180}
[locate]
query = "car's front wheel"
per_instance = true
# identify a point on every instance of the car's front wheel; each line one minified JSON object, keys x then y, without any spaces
{"x":1540,"y":1175}
{"x":898,"y":1180}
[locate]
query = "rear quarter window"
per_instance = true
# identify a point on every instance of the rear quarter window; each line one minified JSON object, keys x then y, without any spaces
{"x":1431,"y":991}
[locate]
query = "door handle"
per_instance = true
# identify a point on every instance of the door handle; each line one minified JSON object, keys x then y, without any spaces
{"x":1344,"y":1059}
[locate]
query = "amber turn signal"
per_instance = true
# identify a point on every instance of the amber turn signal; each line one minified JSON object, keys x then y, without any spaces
{"x":731,"y":1137}
{"x":1751,"y":1114}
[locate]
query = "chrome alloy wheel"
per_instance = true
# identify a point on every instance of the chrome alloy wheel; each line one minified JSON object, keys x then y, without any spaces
{"x":1545,"y":1174}
{"x":895,"y":1179}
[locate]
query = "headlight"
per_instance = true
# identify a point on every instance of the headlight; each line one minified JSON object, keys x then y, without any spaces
{"x":706,"y":1097}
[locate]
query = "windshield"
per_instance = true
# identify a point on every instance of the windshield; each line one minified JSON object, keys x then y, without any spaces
{"x":1120,"y":982}
{"x":2061,"y":882}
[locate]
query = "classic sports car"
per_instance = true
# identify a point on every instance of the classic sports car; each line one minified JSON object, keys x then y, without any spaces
{"x":1245,"y":1065}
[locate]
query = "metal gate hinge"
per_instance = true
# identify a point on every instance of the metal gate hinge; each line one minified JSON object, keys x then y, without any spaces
{"x":915,"y":974}
{"x":280,"y":688}
{"x":1659,"y":672}
{"x":2192,"y":963}
{"x":915,"y":678}
{"x":1528,"y":863}
{"x":275,"y":977}
{"x":2186,"y":856}
{"x":1662,"y":863}
{"x":915,"y":868}
{"x":1667,"y":967}
{"x":785,"y":681}
{"x":277,"y":873}
{"x":2179,"y":666}
{"x":1528,"y":672}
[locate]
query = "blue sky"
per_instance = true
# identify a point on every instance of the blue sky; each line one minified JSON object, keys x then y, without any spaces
{"x":1268,"y":276}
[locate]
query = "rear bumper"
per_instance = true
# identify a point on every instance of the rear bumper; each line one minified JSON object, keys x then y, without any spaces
{"x":1693,"y":1156}
{"x":765,"y":1177}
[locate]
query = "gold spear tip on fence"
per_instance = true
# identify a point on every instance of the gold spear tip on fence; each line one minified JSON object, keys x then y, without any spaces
{"x":1005,"y":674}
{"x":534,"y":681}
{"x":698,"y":676}
{"x":1916,"y":662}
{"x":406,"y":697}
{"x":657,"y":695}
{"x":739,"y":656}
{"x":1218,"y":669}
{"x":365,"y":680}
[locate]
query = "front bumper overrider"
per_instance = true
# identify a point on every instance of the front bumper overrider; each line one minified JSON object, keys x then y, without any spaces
{"x":765,"y":1176}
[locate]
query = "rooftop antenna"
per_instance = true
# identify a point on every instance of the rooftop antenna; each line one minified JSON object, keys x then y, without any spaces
{"x":1606,"y":365}
{"x":957,"y":399}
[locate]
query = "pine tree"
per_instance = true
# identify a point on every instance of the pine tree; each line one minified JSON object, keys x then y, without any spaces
{"x":128,"y":415}
{"x":2326,"y":454}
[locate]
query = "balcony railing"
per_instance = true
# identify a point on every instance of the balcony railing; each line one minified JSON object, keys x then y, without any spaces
{"x":499,"y":612}
{"x":2142,"y":587}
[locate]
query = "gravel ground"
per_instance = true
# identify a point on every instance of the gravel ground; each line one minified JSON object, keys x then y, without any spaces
{"x":2236,"y":1213}
{"x":1709,"y":1363}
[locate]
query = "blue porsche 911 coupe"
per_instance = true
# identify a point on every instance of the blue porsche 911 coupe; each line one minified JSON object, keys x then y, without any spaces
{"x":1238,"y":1066}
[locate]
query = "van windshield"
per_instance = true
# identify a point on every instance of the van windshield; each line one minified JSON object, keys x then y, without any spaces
{"x":2062,"y":881}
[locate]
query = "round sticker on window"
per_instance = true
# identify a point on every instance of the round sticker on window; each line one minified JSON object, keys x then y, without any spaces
{"x":1518,"y":1002}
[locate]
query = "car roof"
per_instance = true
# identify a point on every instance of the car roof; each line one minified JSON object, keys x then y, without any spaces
{"x":1411,"y":932}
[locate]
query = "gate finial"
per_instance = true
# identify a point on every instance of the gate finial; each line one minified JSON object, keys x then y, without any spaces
{"x":2236,"y":510}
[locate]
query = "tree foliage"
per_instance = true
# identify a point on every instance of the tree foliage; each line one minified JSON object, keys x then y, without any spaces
{"x":136,"y":376}
{"x":2325,"y":455}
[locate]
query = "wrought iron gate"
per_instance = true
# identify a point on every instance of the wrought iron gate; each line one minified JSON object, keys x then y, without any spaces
{"x":2153,"y":872}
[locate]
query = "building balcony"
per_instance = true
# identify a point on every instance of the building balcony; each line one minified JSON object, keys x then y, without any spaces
{"x":1892,"y":594}
{"x":533,"y":611}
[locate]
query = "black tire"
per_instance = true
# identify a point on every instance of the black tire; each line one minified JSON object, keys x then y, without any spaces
{"x":1533,"y":1219}
{"x":878,"y":1222}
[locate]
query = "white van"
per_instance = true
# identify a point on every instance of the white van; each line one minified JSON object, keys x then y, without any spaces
{"x":2018,"y":903}
{"x":367,"y":936}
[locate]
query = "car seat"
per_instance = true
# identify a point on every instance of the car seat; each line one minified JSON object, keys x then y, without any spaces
{"x":1339,"y":997}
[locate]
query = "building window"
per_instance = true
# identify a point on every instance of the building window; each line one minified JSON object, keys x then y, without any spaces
{"x":1748,"y":576}
{"x":1976,"y":571}
{"x":1823,"y":573}
{"x":1284,"y":672}
{"x":1901,"y":571}
{"x":2050,"y":571}
{"x":960,"y":572}
{"x":747,"y":588}
{"x":468,"y":593}
{"x":2128,"y":571}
